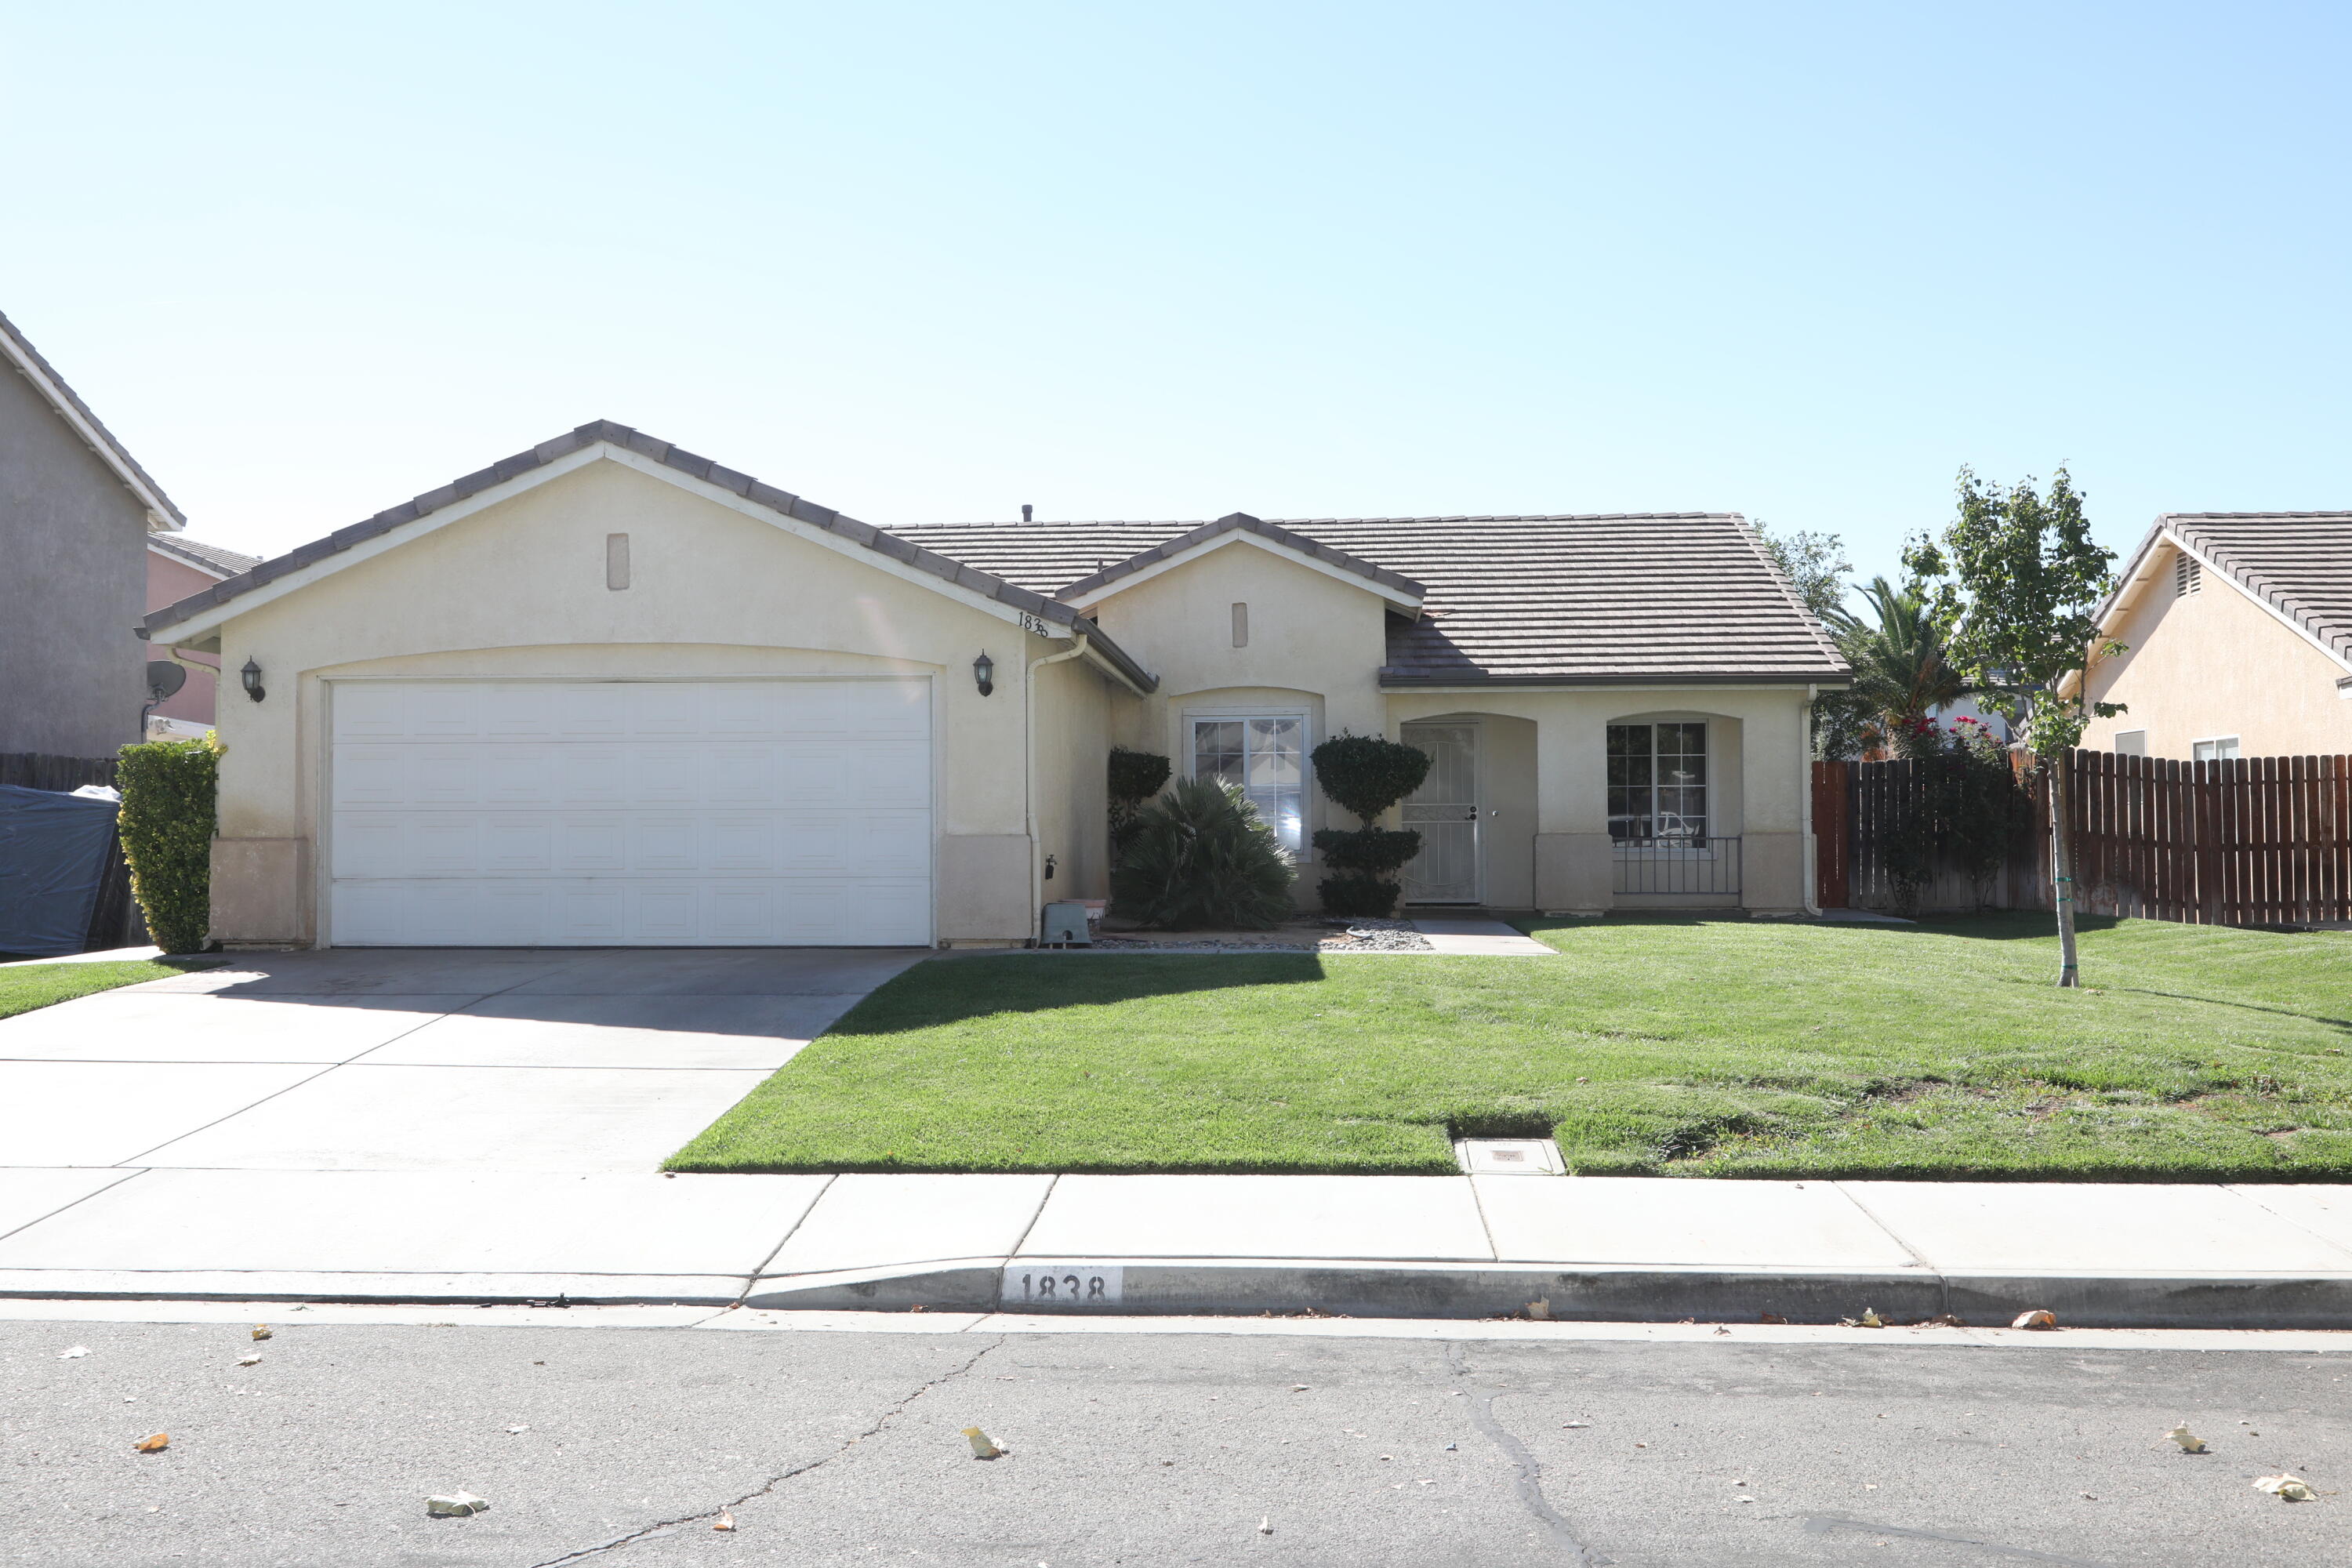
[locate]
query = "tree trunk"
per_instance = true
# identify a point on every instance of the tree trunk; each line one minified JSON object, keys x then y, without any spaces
{"x":2061,"y":866}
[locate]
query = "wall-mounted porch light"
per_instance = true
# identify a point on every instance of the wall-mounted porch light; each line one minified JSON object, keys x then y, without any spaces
{"x":983,"y":673}
{"x":251,"y":676}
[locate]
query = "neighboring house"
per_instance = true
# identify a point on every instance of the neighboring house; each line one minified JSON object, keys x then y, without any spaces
{"x":177,"y":567}
{"x":605,"y":691}
{"x":2237,"y":629}
{"x":76,"y":512}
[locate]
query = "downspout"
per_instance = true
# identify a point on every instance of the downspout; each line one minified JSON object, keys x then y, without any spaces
{"x":1029,"y":780}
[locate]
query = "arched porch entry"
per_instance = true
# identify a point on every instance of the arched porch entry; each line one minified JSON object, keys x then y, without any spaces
{"x":1476,"y":812}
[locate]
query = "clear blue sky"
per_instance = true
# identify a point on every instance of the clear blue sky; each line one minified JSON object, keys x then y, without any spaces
{"x":931,"y":262}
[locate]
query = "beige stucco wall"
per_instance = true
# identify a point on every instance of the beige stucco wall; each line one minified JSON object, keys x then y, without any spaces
{"x":519,"y":589}
{"x":2216,"y":663}
{"x":1075,"y":704}
{"x":1315,"y":646}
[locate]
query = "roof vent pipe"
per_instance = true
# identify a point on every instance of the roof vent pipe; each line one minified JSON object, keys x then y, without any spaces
{"x":1025,"y":510}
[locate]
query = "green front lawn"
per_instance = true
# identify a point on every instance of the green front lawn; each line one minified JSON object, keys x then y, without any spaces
{"x":1678,"y":1046}
{"x":24,"y":987}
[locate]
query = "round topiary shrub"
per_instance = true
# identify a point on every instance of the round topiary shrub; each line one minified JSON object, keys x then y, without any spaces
{"x":1200,"y":859}
{"x":168,"y":792}
{"x":1367,"y":775}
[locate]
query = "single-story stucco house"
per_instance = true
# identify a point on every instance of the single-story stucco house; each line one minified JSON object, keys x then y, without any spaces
{"x":608,"y":692}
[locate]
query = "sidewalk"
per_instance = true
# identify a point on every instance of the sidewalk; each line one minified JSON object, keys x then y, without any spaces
{"x":1593,"y":1249}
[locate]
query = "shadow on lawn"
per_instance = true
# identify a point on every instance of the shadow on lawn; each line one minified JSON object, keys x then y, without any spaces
{"x":951,"y":990}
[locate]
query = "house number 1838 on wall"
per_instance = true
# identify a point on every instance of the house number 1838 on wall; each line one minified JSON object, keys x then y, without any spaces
{"x":1032,"y":1286}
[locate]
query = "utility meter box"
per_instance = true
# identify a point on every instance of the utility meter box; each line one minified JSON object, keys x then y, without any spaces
{"x":1065,"y":926}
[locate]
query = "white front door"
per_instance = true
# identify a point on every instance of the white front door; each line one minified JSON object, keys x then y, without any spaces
{"x":1445,"y":812}
{"x":612,"y":812}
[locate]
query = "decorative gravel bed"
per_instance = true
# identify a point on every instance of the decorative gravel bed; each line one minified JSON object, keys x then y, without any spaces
{"x":1319,"y":936}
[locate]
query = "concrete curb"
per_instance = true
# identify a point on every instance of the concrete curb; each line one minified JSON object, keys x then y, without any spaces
{"x":1596,"y":1293}
{"x":1322,"y":1287}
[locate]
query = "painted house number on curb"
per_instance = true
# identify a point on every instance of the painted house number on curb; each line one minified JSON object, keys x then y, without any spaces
{"x":1061,"y":1285}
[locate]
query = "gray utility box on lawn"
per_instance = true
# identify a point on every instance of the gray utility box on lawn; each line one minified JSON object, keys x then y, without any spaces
{"x":1066,"y":925}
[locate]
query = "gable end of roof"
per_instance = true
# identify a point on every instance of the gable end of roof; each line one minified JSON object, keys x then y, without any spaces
{"x":1242,"y":522}
{"x":621,"y":436}
{"x":26,"y":360}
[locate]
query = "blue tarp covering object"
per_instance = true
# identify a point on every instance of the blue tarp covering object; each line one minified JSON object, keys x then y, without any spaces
{"x":53,"y":855}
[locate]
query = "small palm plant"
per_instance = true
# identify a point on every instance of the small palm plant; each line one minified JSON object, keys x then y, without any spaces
{"x":1900,"y":674}
{"x":1200,"y":857}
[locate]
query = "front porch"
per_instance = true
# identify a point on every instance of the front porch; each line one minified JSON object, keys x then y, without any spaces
{"x":1585,"y":801}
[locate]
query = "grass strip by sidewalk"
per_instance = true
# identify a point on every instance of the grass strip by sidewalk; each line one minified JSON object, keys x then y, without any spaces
{"x":1680,"y":1046}
{"x":24,"y":987}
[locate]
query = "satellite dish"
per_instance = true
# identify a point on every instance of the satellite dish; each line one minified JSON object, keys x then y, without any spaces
{"x":165,"y":678}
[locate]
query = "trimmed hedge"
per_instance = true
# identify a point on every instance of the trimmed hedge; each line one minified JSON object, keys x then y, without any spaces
{"x":1134,"y":778}
{"x":169,"y":789}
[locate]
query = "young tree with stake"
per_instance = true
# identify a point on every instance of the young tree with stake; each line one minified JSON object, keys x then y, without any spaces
{"x":2012,"y":583}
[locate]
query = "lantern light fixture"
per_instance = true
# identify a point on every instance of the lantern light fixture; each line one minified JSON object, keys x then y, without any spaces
{"x":251,"y":675}
{"x":983,"y":673}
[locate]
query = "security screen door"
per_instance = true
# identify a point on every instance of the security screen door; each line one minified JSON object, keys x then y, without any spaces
{"x":1445,"y":812}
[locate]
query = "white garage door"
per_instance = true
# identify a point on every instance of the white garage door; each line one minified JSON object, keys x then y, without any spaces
{"x":529,"y":814}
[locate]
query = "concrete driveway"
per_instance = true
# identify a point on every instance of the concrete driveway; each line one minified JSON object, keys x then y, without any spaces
{"x":576,"y":1061}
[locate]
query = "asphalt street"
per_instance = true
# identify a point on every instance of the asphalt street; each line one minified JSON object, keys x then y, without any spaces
{"x":621,"y":1445}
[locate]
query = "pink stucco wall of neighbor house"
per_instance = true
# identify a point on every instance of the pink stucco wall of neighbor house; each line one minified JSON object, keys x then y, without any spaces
{"x":169,"y":582}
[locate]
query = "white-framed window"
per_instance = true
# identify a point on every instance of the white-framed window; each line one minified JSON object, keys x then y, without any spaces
{"x":2219,"y":749}
{"x":2131,"y":742}
{"x":1266,"y":755}
{"x":1658,"y":783}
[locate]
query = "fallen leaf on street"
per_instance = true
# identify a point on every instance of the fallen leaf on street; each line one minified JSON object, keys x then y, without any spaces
{"x":1869,"y":1319}
{"x":455,"y":1505}
{"x":724,"y":1521}
{"x":981,"y":1446}
{"x":2287,"y":1488}
{"x":1540,"y":1312}
{"x":261,"y":1330}
{"x":2036,"y":1319}
{"x":1942,"y":1321}
{"x":77,"y":1351}
{"x":1297,"y":1388}
{"x":1771,"y":1318}
{"x":154,"y":1444}
{"x":254,"y":1360}
{"x":2190,"y":1442}
{"x":1721,"y":1330}
{"x":1265,"y":1525}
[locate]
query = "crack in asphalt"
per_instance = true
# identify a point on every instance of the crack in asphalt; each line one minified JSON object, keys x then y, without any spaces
{"x":1823,"y":1524}
{"x":772,"y":1482}
{"x":1528,"y":1483}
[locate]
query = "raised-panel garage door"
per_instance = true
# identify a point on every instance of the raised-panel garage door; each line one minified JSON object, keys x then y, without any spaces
{"x":654,"y":812}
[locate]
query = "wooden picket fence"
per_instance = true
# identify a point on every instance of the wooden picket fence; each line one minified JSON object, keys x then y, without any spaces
{"x":2257,"y":841}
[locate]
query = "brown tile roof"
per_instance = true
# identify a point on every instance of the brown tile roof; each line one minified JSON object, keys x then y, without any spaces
{"x":685,"y":462}
{"x":1615,"y":598}
{"x":2299,"y":562}
{"x":27,"y":360}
